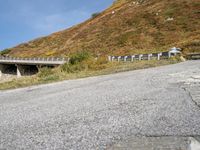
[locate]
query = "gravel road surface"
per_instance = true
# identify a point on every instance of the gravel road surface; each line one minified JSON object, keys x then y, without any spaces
{"x":98,"y":112}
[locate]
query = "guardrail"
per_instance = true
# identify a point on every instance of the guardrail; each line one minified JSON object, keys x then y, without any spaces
{"x":193,"y":56}
{"x":158,"y":56}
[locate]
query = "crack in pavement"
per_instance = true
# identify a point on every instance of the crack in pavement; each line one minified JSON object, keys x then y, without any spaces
{"x":190,"y":95}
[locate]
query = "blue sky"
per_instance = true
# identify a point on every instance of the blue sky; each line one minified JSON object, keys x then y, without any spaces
{"x":24,"y":20}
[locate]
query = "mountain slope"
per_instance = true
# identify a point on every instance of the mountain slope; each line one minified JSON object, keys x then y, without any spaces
{"x":127,"y":27}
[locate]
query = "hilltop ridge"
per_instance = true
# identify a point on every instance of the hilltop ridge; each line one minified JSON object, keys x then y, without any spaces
{"x":127,"y":27}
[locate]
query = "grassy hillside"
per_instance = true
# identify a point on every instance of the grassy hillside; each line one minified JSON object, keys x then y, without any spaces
{"x":127,"y":27}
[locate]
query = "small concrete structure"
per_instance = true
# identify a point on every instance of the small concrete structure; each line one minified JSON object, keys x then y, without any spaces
{"x":174,"y":51}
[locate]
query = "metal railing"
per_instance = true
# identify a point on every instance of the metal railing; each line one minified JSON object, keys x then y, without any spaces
{"x":193,"y":56}
{"x":34,"y":59}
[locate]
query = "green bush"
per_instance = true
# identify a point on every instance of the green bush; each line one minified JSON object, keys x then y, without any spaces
{"x":88,"y":63}
{"x":94,"y":15}
{"x":5,"y":51}
{"x":77,"y":62}
{"x":79,"y":57}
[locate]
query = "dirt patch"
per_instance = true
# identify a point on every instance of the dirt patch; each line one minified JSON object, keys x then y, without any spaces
{"x":6,"y":78}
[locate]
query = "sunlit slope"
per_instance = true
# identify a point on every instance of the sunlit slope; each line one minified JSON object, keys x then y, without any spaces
{"x":127,"y":27}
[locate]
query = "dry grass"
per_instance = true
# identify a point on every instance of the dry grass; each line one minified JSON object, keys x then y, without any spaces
{"x":49,"y":76}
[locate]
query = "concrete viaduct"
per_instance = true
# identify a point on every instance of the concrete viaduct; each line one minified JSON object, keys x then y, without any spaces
{"x":27,"y":66}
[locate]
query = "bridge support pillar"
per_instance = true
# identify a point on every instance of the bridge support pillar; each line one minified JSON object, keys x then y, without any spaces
{"x":20,"y":71}
{"x":1,"y":70}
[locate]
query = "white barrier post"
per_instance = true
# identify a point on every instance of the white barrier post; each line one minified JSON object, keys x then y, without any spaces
{"x":149,"y":56}
{"x":132,"y":57}
{"x":118,"y":58}
{"x":159,"y":54}
{"x":113,"y":58}
{"x":140,"y":57}
{"x":109,"y":58}
{"x":125,"y":58}
{"x":169,"y":54}
{"x":68,"y":60}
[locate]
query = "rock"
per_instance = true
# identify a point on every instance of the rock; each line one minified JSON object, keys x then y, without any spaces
{"x":170,"y":19}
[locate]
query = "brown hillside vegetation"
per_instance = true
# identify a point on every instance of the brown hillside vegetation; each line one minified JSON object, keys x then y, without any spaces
{"x":127,"y":27}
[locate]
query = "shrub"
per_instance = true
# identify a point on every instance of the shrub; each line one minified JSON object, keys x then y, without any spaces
{"x":79,"y":57}
{"x":87,"y":64}
{"x":94,"y":15}
{"x":77,"y":62}
{"x":5,"y":51}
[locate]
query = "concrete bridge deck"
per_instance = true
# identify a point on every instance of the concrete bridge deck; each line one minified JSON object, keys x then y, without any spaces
{"x":27,"y":66}
{"x":33,"y":61}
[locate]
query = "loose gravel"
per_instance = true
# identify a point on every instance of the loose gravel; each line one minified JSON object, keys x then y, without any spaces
{"x":98,"y":112}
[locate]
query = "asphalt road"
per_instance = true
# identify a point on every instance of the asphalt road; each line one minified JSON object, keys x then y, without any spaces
{"x":97,"y":112}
